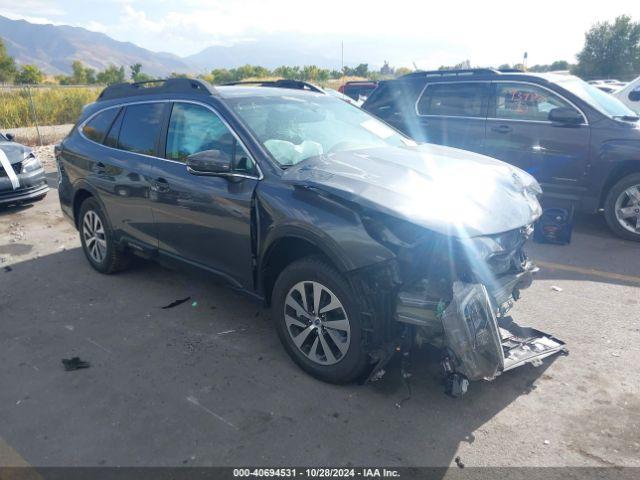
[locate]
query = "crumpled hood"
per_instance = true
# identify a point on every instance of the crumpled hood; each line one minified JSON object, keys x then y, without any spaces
{"x":14,"y":151}
{"x":447,"y":190}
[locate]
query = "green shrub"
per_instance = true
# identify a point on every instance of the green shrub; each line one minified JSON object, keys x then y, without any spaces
{"x":53,"y":106}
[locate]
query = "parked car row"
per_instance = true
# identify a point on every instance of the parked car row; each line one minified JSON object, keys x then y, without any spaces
{"x":363,"y":242}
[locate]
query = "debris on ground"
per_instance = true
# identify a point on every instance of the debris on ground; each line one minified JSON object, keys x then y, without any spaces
{"x":459,"y":462}
{"x":194,"y":304}
{"x":546,"y":442}
{"x":175,"y":303}
{"x":556,"y":288}
{"x":71,"y":364}
{"x":7,"y":269}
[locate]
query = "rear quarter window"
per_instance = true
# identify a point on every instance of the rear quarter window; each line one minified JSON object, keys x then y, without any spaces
{"x":96,"y":128}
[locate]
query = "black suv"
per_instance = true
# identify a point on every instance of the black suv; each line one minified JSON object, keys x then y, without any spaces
{"x":361,"y":240}
{"x":581,"y":144}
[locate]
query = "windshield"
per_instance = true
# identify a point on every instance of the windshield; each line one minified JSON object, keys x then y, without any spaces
{"x":602,"y":101}
{"x":295,"y":128}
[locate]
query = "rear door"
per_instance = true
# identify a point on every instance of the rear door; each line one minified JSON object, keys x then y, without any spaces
{"x":205,"y":220}
{"x":453,"y":114}
{"x":120,"y":172}
{"x":520,"y":133}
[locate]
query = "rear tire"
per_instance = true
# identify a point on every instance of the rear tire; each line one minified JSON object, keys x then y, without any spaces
{"x":96,"y":236}
{"x":622,"y":208}
{"x":322,"y":332}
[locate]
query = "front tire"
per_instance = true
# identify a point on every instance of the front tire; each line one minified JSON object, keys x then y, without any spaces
{"x":622,"y":208}
{"x":317,"y":318}
{"x":98,"y":241}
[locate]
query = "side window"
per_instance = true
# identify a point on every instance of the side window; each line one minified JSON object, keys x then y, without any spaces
{"x":516,"y":101}
{"x":454,"y":99}
{"x":111,"y":140}
{"x":98,"y":126}
{"x":194,"y":128}
{"x":141,"y":127}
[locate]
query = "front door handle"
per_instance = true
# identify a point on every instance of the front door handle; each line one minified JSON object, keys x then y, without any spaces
{"x":501,"y":129}
{"x":99,"y":167}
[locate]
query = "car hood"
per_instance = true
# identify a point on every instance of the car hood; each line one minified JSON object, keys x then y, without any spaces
{"x":14,"y":151}
{"x":447,"y":190}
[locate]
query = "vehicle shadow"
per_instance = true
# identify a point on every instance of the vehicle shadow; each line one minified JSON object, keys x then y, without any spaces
{"x":14,"y":208}
{"x":220,"y":347}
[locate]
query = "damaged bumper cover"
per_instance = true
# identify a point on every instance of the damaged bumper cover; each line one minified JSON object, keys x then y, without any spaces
{"x":479,"y":340}
{"x":484,"y":346}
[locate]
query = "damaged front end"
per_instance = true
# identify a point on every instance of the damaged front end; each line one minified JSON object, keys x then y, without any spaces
{"x":456,"y":294}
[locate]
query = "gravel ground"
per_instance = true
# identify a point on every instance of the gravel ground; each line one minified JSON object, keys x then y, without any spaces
{"x":49,"y":134}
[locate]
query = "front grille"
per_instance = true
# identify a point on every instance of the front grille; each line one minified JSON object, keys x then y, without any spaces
{"x":17,"y":167}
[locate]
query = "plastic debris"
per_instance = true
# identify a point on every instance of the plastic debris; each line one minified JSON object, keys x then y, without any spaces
{"x":546,"y":442}
{"x":175,"y":303}
{"x":194,"y":304}
{"x":556,"y":288}
{"x":71,"y":364}
{"x":459,"y":462}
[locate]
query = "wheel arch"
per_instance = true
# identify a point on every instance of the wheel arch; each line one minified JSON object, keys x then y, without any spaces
{"x":621,"y":170}
{"x":289,"y":245}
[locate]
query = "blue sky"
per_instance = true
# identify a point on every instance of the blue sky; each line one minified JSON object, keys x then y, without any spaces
{"x":403,"y":31}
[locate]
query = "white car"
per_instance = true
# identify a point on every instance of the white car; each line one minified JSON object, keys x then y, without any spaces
{"x":630,"y":95}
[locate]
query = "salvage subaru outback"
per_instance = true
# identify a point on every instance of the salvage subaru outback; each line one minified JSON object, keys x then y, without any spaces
{"x":362,"y":242}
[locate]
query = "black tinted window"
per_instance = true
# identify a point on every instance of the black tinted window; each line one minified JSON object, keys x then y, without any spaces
{"x":98,"y":126}
{"x":141,"y":127}
{"x":454,"y":99}
{"x":112,"y":137}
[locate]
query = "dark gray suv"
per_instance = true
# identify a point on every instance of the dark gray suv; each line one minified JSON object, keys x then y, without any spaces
{"x":581,"y":144}
{"x":361,"y":241}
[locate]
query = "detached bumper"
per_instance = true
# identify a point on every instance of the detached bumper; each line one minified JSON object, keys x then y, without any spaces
{"x":484,"y":346}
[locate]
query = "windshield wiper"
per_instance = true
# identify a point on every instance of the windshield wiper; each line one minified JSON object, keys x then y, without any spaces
{"x":627,"y":118}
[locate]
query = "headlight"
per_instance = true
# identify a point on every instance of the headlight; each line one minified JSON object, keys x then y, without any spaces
{"x":31,"y":164}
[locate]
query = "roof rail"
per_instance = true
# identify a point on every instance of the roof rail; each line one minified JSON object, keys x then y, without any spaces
{"x":294,"y":84}
{"x":448,"y":73}
{"x":151,"y":87}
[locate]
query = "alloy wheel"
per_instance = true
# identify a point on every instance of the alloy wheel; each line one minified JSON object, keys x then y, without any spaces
{"x":317,"y":322}
{"x":627,"y":209}
{"x":94,"y":237}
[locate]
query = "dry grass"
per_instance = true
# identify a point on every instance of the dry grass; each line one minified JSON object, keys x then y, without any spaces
{"x":53,"y":106}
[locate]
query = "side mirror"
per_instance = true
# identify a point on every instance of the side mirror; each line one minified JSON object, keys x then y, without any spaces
{"x":634,"y":95}
{"x":9,"y":136}
{"x":209,"y":162}
{"x":565,"y":116}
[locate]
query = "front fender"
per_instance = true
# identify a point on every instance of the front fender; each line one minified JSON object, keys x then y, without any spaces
{"x":333,"y":226}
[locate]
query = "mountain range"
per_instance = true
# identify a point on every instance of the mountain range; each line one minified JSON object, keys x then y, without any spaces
{"x":53,"y":48}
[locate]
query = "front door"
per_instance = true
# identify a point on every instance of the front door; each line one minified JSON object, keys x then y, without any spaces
{"x":453,"y":114}
{"x":519,"y":132}
{"x":205,"y":220}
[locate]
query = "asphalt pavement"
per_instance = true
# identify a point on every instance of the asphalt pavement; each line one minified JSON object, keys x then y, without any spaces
{"x":207,"y":382}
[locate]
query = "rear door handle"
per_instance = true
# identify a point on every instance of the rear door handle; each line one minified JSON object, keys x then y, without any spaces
{"x":501,"y":129}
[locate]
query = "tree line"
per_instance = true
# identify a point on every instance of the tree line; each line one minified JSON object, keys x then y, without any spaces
{"x":611,"y":49}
